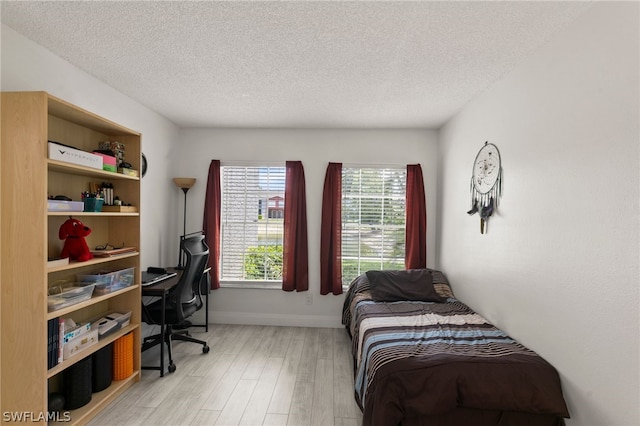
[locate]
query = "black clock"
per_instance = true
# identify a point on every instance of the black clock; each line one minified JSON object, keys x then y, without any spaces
{"x":144,"y":165}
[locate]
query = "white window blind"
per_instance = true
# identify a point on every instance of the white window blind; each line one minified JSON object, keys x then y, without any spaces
{"x":252,"y":217}
{"x":373,"y":220}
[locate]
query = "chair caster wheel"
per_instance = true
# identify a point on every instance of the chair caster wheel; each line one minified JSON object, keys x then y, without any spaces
{"x":205,"y":349}
{"x":171,"y":368}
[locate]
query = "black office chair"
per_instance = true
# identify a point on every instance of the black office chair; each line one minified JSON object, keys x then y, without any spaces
{"x":183,"y":301}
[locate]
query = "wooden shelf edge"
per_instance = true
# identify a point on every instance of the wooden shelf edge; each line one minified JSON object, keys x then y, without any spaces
{"x":92,"y":301}
{"x":94,"y":261}
{"x":91,"y":349}
{"x":99,"y":401}
{"x":70,"y":112}
{"x":64,"y":167}
{"x":93,"y":213}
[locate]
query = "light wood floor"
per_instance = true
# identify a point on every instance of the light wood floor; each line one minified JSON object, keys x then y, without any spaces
{"x":253,"y":375}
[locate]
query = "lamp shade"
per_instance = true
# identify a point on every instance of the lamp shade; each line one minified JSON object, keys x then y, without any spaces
{"x":183,"y":182}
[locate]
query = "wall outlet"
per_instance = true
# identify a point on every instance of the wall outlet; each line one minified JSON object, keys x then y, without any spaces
{"x":308,"y":299}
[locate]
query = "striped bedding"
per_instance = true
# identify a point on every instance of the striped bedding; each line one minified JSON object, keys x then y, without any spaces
{"x":418,"y":359}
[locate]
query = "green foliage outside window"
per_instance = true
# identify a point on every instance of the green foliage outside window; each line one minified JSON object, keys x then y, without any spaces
{"x":373,"y":220}
{"x":263,"y":263}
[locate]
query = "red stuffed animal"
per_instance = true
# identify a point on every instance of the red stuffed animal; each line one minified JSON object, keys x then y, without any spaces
{"x":75,"y":247}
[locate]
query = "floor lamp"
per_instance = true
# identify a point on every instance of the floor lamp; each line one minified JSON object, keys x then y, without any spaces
{"x":184,"y":184}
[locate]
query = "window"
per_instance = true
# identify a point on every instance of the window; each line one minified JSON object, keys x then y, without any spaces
{"x":373,"y":220}
{"x":252,"y":224}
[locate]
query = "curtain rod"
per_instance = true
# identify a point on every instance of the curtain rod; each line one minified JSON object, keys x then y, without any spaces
{"x":374,"y":166}
{"x":253,"y":163}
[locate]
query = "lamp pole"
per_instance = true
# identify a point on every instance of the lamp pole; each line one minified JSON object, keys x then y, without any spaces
{"x":184,"y":230}
{"x":184,"y":184}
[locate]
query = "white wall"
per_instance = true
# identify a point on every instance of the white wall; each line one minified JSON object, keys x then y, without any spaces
{"x":27,"y":66}
{"x":558,"y":269}
{"x":315,"y":148}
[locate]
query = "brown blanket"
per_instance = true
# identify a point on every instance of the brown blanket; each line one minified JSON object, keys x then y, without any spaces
{"x":415,"y":359}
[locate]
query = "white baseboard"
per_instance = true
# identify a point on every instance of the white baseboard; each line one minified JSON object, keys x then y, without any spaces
{"x":245,"y":318}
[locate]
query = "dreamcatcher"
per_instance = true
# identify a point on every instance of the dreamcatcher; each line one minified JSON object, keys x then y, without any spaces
{"x":486,"y":184}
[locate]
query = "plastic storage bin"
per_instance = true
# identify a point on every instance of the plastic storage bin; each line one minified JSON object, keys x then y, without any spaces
{"x":67,"y":296}
{"x":107,"y":282}
{"x":65,"y":206}
{"x":101,"y":279}
{"x":124,"y":278}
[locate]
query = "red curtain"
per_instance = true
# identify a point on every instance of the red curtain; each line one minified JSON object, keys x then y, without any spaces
{"x":211,"y":223}
{"x":416,"y":215}
{"x":331,"y":232}
{"x":295,"y":259}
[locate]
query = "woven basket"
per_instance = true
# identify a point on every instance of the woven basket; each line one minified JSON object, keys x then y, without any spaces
{"x":123,"y":357}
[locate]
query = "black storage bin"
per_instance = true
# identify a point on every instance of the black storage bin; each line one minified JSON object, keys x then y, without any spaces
{"x":77,"y":384}
{"x":102,"y":368}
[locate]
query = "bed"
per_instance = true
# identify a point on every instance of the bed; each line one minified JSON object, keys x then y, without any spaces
{"x":422,"y":357}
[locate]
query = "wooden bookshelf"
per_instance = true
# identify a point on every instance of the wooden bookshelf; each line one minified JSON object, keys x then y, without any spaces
{"x":29,"y":238}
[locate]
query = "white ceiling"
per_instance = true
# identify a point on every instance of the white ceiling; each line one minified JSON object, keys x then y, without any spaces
{"x":299,"y":64}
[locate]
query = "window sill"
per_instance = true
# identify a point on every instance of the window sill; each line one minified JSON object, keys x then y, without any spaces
{"x":263,"y":285}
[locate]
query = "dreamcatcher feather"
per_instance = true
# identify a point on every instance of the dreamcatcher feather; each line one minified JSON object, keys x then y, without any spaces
{"x":479,"y":200}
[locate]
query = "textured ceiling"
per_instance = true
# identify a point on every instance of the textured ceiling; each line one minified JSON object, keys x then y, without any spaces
{"x":294,"y":64}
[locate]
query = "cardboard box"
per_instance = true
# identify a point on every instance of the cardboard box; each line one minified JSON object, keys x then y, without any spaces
{"x":74,"y":156}
{"x":79,"y":343}
{"x":108,"y":162}
{"x":77,"y":331}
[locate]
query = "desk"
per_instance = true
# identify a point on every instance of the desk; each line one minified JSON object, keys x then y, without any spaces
{"x":161,"y":289}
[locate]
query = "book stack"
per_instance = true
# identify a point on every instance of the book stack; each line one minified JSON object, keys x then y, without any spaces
{"x":55,"y":332}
